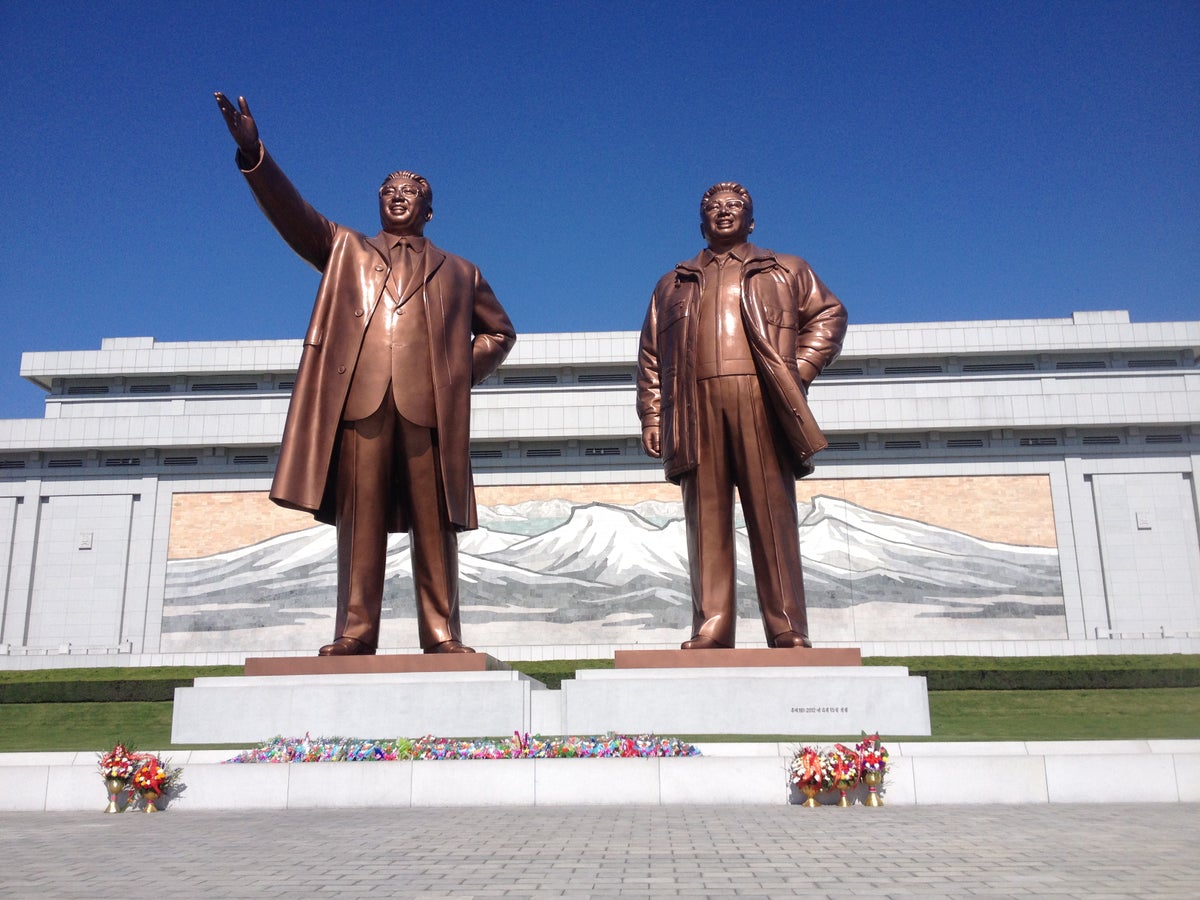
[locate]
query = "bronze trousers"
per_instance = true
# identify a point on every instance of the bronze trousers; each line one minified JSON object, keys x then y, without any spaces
{"x":384,"y":459}
{"x":740,"y":445}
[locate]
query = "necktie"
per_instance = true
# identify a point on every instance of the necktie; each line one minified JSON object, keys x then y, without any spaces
{"x":402,"y":270}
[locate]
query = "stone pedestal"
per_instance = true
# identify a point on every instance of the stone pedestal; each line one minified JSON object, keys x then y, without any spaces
{"x":673,"y":692}
{"x":756,"y":699}
{"x":448,"y":696}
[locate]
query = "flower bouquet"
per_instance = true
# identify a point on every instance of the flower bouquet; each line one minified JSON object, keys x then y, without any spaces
{"x":116,"y":767}
{"x":152,"y":779}
{"x":844,"y":764}
{"x":873,"y":759}
{"x":809,"y":773}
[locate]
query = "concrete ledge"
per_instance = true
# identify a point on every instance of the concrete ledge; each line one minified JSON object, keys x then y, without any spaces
{"x":921,"y":774}
{"x":979,"y":779}
{"x":1187,"y":777}
{"x":470,"y":782}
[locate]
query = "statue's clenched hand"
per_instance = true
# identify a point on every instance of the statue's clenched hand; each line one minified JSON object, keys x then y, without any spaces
{"x":652,"y":441}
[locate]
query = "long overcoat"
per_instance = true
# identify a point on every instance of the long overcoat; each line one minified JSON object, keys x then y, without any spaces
{"x":789,"y":315}
{"x":469,"y":336}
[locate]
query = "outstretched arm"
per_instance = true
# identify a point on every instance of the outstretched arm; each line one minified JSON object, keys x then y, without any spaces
{"x":307,"y":232}
{"x":243,"y":128}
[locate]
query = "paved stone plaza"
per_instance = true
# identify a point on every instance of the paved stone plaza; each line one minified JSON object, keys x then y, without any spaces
{"x":1084,"y":851}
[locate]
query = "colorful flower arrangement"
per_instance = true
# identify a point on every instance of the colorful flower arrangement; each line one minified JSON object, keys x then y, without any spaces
{"x":839,"y":769}
{"x":809,"y":769}
{"x":844,"y":765}
{"x":519,"y":746}
{"x":154,"y":776}
{"x":873,"y":756}
{"x":116,"y":763}
{"x":137,"y":775}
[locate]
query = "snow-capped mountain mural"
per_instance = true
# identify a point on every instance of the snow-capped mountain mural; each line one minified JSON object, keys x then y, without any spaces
{"x":554,"y":571}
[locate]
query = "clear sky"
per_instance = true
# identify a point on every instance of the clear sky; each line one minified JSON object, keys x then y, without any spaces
{"x":932,"y":161}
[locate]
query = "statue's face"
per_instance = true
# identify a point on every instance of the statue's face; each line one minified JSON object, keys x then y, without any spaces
{"x":725,"y":221}
{"x":403,"y":209}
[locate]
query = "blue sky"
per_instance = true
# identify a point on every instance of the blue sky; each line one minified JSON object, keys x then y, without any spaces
{"x":932,"y":161}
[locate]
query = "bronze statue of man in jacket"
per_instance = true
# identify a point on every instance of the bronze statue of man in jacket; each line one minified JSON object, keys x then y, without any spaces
{"x":731,"y":341}
{"x":376,"y":438}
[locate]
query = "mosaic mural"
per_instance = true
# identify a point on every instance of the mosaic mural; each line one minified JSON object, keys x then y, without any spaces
{"x":595,"y":565}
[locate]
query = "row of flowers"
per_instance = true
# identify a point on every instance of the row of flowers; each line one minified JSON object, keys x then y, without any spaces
{"x":840,"y":769}
{"x":519,"y":746}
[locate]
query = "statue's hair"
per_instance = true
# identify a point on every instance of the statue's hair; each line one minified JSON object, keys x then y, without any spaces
{"x":732,"y":187}
{"x":421,"y":183}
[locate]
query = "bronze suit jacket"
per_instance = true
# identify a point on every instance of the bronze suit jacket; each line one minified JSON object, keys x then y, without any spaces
{"x":788,"y":314}
{"x":469,"y":336}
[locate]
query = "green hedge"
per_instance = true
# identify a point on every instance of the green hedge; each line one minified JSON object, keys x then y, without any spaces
{"x":974,"y":673}
{"x":947,"y":673}
{"x":1090,"y":663}
{"x":123,"y":691}
{"x":1010,"y":680}
{"x":1047,"y":673}
{"x":102,"y":685}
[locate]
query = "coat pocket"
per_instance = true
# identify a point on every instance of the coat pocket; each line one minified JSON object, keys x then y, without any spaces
{"x":781,"y":317}
{"x":673,"y":311}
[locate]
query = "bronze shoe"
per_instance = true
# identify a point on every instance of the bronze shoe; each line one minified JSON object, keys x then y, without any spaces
{"x":791,"y":640}
{"x":346,"y":646}
{"x":450,"y":646}
{"x":703,"y":642}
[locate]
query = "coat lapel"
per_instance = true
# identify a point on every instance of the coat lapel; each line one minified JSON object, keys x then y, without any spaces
{"x":379,"y":245}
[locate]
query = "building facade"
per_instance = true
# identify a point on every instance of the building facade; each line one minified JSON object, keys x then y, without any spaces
{"x":991,"y":487}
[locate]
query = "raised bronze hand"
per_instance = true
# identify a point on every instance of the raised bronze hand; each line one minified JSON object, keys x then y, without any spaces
{"x":242,"y":127}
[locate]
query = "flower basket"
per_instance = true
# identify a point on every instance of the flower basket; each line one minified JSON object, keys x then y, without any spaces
{"x":873,"y":758}
{"x":809,"y":773}
{"x":845,"y":773}
{"x":116,"y":768}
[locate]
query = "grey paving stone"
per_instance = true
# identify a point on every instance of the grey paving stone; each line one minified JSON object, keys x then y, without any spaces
{"x":1067,"y":851}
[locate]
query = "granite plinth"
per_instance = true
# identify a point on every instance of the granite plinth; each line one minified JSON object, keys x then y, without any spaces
{"x":748,"y":691}
{"x":254,"y":708}
{"x":735,"y":658}
{"x":751,"y":700}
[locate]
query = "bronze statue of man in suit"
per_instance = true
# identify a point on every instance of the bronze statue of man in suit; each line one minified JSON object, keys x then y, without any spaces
{"x":376,"y":438}
{"x":730,"y":344}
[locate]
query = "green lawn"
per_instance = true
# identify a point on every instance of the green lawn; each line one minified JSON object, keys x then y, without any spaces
{"x":83,"y":726}
{"x":955,"y":715}
{"x":1101,"y":715}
